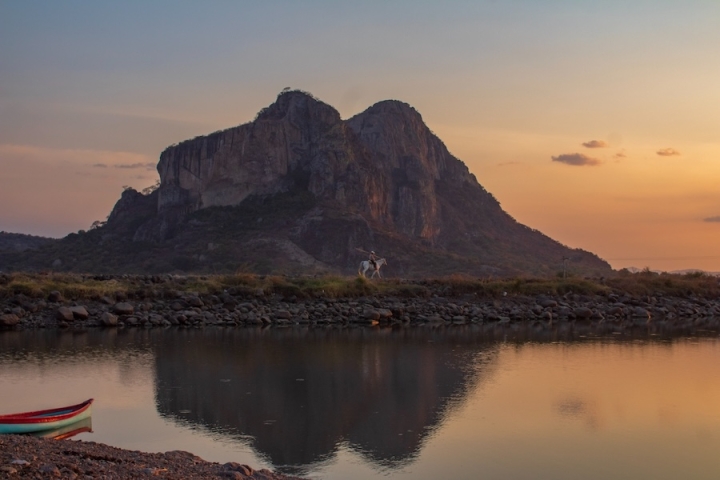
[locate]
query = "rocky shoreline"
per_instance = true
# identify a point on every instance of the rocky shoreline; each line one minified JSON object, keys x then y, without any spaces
{"x":439,"y":306}
{"x":23,"y":456}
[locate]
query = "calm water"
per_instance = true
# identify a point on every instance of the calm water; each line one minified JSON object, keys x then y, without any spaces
{"x":414,"y":403}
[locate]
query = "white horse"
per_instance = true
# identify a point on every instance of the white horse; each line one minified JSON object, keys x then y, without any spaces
{"x":365,"y":266}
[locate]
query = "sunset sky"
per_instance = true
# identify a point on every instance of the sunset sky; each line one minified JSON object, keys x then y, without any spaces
{"x":597,"y":123}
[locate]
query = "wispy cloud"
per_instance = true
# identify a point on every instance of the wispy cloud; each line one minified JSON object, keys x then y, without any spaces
{"x":505,"y":164}
{"x":620,"y":155}
{"x":99,"y":165}
{"x":595,"y":144}
{"x":146,"y":166}
{"x":576,"y":159}
{"x":712,"y":219}
{"x":34,"y":181}
{"x":667,"y":152}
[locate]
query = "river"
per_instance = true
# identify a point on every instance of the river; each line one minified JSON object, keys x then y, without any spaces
{"x":359,"y":403}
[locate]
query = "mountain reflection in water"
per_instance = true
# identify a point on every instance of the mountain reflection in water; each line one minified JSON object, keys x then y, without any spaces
{"x":300,"y":394}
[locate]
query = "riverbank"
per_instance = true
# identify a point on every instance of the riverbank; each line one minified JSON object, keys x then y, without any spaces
{"x":23,"y":456}
{"x":78,"y":302}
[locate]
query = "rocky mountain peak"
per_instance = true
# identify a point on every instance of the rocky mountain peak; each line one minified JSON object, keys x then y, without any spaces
{"x":298,"y":107}
{"x":300,"y":188}
{"x":394,"y":107}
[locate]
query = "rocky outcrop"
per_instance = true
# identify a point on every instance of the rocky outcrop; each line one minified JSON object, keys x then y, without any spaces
{"x":300,"y":189}
{"x":381,"y":173}
{"x":296,"y":142}
{"x":384,"y":164}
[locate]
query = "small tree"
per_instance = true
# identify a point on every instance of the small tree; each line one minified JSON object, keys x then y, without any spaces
{"x":151,"y":188}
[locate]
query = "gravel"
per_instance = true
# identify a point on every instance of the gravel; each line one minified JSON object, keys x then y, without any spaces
{"x":23,"y":456}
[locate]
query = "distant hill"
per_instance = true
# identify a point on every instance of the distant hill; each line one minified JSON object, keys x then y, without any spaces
{"x":687,"y":271}
{"x":299,"y":190}
{"x":20,"y":242}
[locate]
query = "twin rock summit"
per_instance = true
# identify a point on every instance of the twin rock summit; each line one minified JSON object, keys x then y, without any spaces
{"x":298,"y":190}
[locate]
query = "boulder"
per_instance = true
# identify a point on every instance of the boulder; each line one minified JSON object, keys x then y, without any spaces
{"x":108,"y":319}
{"x":583,"y":313}
{"x":547,"y":302}
{"x":283,"y":315}
{"x":106,"y":300}
{"x":79,"y":312}
{"x":124,"y":308}
{"x":194,"y":301}
{"x":64,"y":314}
{"x":55,"y":296}
{"x":9,"y":320}
{"x":371,"y":314}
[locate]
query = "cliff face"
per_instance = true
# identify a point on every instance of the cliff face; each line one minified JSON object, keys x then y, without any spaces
{"x":300,"y":189}
{"x":384,"y":164}
{"x":294,"y":141}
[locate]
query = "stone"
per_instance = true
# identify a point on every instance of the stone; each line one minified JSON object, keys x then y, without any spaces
{"x":106,"y":300}
{"x":64,"y":314}
{"x":583,"y":313}
{"x":236,"y":467}
{"x":177,"y":306}
{"x":108,"y":319}
{"x":283,"y":315}
{"x":370,"y":314}
{"x":55,"y":296}
{"x":123,"y":308}
{"x":384,"y":313}
{"x":50,"y":471}
{"x":547,"y":303}
{"x":195,"y":301}
{"x":9,"y":320}
{"x":79,"y":312}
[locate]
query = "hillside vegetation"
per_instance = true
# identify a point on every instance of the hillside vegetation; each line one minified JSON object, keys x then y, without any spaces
{"x":78,"y":287}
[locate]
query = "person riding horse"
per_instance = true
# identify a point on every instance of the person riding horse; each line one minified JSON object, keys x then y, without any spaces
{"x":373,"y":260}
{"x":373,"y":263}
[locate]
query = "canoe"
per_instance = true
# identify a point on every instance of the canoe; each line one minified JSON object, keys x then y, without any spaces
{"x":45,"y":419}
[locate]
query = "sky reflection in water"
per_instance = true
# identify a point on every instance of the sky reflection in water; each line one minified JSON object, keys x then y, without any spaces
{"x":414,"y":403}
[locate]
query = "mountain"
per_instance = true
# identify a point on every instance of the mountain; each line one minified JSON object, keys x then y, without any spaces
{"x":300,"y":190}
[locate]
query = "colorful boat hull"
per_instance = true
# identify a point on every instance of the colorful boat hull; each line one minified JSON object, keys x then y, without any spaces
{"x":41,"y":420}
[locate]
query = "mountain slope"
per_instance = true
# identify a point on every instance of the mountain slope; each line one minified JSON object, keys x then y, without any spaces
{"x":299,"y":190}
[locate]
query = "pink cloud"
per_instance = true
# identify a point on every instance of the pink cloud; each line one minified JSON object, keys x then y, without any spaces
{"x":595,"y":144}
{"x":668,"y":152}
{"x":576,"y":159}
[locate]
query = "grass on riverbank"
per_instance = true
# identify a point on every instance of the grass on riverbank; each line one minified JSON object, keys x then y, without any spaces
{"x":77,"y":287}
